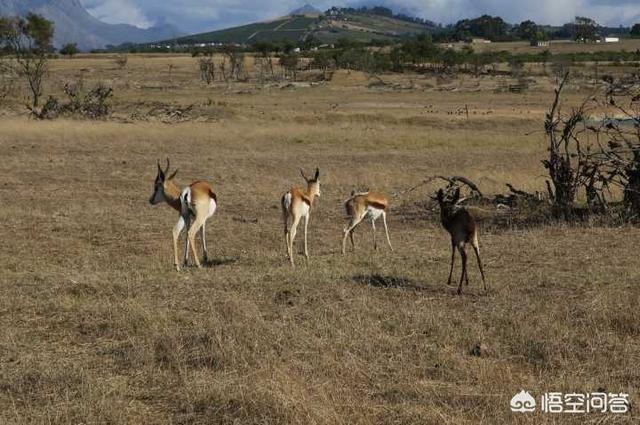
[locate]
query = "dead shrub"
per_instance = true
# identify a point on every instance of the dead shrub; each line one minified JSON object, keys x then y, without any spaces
{"x":121,"y":61}
{"x":7,"y":81}
{"x":92,"y":104}
{"x":207,"y":69}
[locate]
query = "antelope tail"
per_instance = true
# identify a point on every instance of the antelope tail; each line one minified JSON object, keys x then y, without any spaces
{"x":286,"y":201}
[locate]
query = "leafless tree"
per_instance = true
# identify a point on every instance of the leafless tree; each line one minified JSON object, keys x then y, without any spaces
{"x":616,"y":162}
{"x":236,"y":63}
{"x":223,"y":70}
{"x":290,"y":63}
{"x":29,"y":41}
{"x":613,"y":160}
{"x":564,"y":162}
{"x":207,"y":69}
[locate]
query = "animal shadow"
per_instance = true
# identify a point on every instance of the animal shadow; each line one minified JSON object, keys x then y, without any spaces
{"x":212,"y":262}
{"x":381,"y":281}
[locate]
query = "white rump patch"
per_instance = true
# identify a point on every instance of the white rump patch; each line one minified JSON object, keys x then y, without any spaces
{"x":372,"y":213}
{"x":286,"y":201}
{"x":185,"y":201}
{"x":212,"y":207}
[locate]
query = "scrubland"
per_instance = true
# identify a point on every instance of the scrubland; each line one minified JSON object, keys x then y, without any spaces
{"x":97,"y":327}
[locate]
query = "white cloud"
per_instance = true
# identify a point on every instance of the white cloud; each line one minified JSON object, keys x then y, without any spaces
{"x":118,"y":12}
{"x":555,"y":12}
{"x":626,"y":14}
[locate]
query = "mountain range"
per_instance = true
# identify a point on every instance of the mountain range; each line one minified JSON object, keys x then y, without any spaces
{"x":73,"y":24}
{"x":356,"y":25}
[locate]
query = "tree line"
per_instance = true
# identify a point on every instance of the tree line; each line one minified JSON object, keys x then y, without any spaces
{"x":424,"y":52}
{"x":494,"y":28}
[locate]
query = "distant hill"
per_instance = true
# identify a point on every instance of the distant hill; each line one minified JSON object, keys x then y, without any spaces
{"x":73,"y":24}
{"x":328,"y":27}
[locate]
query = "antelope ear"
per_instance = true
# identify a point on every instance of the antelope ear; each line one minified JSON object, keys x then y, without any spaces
{"x":317,"y":174}
{"x":173,"y":175}
{"x":456,"y":195}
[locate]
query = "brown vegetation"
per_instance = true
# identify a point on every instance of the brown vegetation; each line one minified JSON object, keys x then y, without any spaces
{"x":97,"y":327}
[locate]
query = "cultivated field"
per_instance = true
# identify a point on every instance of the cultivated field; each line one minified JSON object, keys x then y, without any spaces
{"x":97,"y":328}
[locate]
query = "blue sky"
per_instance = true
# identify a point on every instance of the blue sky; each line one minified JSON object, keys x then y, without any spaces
{"x":202,"y":15}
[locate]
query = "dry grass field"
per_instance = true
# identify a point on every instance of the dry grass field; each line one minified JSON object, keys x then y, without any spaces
{"x":97,"y":328}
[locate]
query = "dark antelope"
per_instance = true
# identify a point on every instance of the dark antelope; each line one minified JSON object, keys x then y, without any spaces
{"x":463,"y":228}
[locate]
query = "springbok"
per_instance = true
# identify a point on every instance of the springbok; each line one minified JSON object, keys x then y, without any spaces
{"x":195,"y":204}
{"x":361,"y":206}
{"x":463,"y":228}
{"x":296,"y":205}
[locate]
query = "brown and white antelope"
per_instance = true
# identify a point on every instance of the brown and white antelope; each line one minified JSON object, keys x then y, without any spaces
{"x":369,"y":206}
{"x":296,"y":205}
{"x":195,"y":204}
{"x":463,"y":228}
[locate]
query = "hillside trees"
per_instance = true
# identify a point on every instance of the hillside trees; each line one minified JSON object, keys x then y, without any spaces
{"x":486,"y":26}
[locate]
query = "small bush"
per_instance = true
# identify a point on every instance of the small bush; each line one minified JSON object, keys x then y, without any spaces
{"x":121,"y":61}
{"x":69,"y":49}
{"x":93,"y":104}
